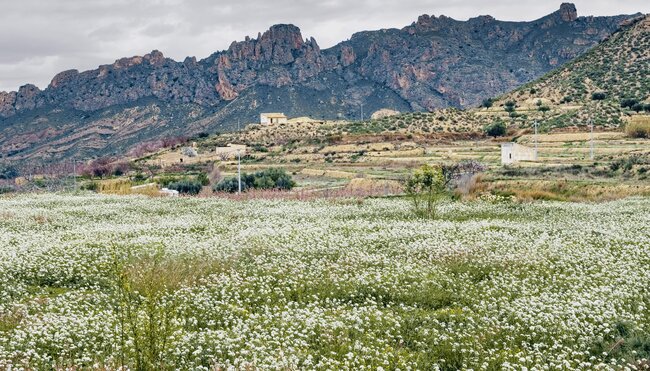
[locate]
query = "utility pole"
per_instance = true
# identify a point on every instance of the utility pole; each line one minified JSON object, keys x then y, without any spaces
{"x":535,"y":140}
{"x":74,"y":173}
{"x":361,"y":111}
{"x":591,"y":139}
{"x":239,"y":169}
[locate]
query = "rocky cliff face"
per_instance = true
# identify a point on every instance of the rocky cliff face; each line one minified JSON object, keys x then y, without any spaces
{"x":277,"y":58}
{"x":433,"y":63}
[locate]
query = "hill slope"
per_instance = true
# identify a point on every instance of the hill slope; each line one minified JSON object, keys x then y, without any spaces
{"x":605,"y":85}
{"x":434,"y":63}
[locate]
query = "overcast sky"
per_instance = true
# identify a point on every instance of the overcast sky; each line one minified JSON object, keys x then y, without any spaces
{"x":39,"y":38}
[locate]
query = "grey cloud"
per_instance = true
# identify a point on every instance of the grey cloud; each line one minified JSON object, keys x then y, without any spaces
{"x":41,"y":38}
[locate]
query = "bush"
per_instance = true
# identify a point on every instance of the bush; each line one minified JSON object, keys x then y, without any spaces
{"x":229,"y":185}
{"x":425,"y":187}
{"x":90,"y":186}
{"x":496,"y":129}
{"x":629,"y":102}
{"x":186,"y":186}
{"x":487,"y":103}
{"x":510,"y":106}
{"x":638,"y":107}
{"x":121,"y":168}
{"x":203,"y":179}
{"x":8,"y":172}
{"x":139,"y":177}
{"x":599,"y":95}
{"x":267,"y":179}
{"x":6,"y":189}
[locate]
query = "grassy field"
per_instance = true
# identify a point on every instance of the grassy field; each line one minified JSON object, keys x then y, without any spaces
{"x":89,"y":281}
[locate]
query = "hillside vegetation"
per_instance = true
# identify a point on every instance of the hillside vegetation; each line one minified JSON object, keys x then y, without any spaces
{"x":606,"y":85}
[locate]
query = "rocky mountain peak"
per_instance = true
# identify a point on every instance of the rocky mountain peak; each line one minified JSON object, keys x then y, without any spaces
{"x":156,"y":58}
{"x":277,"y":45}
{"x":284,"y":34}
{"x":568,"y":12}
{"x":427,"y":22}
{"x":63,"y":77}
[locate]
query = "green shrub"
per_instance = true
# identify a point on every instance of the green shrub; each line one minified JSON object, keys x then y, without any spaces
{"x":425,"y":187}
{"x":166,"y":180}
{"x":4,"y":189}
{"x":496,"y":129}
{"x":273,"y":178}
{"x":510,"y":106}
{"x":90,"y":186}
{"x":599,"y":95}
{"x":229,"y":185}
{"x":186,"y":186}
{"x":487,"y":103}
{"x":8,"y":172}
{"x":629,"y":102}
{"x":203,"y":179}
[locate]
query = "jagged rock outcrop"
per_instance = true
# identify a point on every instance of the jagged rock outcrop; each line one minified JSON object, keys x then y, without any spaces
{"x":435,"y":62}
{"x":568,"y":12}
{"x":276,"y":58}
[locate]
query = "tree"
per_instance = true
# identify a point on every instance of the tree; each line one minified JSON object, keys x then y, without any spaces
{"x":425,"y":187}
{"x":629,"y":102}
{"x":496,"y":129}
{"x":599,"y":95}
{"x":487,"y":103}
{"x":8,"y":172}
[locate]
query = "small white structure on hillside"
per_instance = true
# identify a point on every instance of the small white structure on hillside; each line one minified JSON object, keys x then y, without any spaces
{"x":513,"y":152}
{"x":273,"y":118}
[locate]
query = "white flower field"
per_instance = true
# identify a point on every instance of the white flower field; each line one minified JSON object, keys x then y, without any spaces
{"x":102,"y":282}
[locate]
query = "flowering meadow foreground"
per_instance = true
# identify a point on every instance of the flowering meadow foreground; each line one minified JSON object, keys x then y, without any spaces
{"x":91,"y":281}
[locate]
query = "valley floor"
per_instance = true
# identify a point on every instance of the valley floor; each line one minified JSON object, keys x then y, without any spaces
{"x":103,"y":281}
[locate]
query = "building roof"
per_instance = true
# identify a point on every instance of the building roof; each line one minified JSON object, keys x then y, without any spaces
{"x":274,"y":115}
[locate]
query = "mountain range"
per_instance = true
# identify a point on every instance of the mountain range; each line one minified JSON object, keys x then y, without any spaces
{"x":436,"y":62}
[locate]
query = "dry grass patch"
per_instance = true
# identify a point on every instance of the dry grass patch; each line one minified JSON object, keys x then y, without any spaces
{"x":638,"y":127}
{"x":375,"y":186}
{"x":562,"y":190}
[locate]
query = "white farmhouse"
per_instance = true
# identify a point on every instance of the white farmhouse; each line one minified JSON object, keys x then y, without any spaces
{"x":273,"y":118}
{"x":513,"y":152}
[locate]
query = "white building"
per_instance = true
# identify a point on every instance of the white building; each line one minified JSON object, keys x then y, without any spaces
{"x":513,"y":152}
{"x":273,"y":118}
